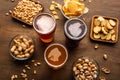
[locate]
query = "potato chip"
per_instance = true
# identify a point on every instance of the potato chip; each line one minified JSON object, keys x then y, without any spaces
{"x":56,"y":17}
{"x":65,"y":1}
{"x":54,"y":12}
{"x":76,"y":0}
{"x":79,"y":11}
{"x":52,"y":7}
{"x":73,"y":8}
{"x":80,"y":5}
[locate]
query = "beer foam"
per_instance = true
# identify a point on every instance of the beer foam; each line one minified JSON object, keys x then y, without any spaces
{"x":54,"y":55}
{"x":45,"y":23}
{"x":75,"y":29}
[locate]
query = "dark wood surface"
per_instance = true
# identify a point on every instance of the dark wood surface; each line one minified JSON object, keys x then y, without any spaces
{"x":10,"y":27}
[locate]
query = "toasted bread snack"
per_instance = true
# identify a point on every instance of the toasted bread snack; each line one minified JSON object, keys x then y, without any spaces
{"x":103,"y":36}
{"x":103,"y":23}
{"x":96,"y":22}
{"x":104,"y":30}
{"x":101,"y":18}
{"x":108,"y":25}
{"x":112,"y":31}
{"x":108,"y":36}
{"x":113,"y":37}
{"x":112,"y":22}
{"x":96,"y":36}
{"x":97,"y":29}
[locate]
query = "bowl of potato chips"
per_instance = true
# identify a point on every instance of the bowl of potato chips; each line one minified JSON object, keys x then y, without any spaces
{"x":72,"y":9}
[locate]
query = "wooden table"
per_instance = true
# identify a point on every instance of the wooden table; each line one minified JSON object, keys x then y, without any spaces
{"x":10,"y":27}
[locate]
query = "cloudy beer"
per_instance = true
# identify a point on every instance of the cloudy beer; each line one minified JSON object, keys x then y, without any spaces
{"x":45,"y":25}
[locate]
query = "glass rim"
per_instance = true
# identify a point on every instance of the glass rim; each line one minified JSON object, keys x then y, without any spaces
{"x":53,"y":27}
{"x":56,"y":66}
{"x":71,"y":37}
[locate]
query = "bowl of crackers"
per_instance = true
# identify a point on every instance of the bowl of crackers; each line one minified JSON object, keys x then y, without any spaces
{"x":21,"y":47}
{"x":72,"y":9}
{"x":104,"y":29}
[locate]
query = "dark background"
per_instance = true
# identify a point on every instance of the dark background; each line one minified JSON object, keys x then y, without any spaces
{"x":10,"y":27}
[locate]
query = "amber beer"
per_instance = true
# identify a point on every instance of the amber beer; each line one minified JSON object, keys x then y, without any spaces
{"x":45,"y":25}
{"x":56,"y":55}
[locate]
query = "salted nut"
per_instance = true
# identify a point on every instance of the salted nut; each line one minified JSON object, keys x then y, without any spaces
{"x":96,"y":46}
{"x":105,"y":57}
{"x":103,"y":28}
{"x":85,"y":69}
{"x":102,"y":78}
{"x":24,"y":73}
{"x":105,"y":70}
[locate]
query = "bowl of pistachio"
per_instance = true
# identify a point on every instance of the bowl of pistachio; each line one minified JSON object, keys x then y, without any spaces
{"x":22,"y":47}
{"x":86,"y":68}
